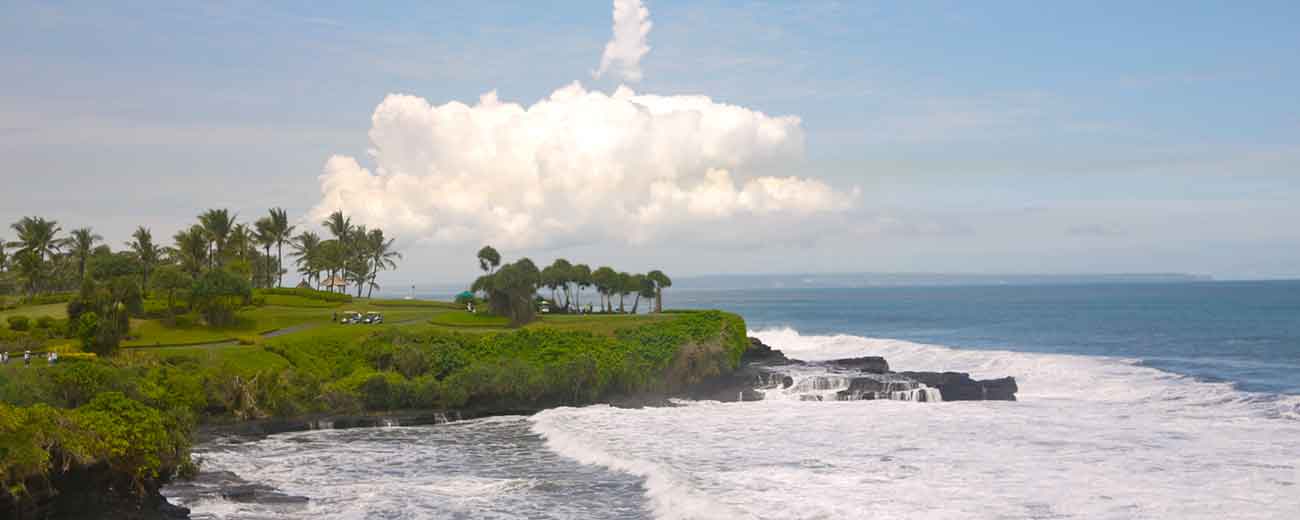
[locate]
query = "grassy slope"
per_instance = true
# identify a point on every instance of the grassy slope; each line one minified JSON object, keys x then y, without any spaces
{"x":53,"y":310}
{"x":332,"y":368}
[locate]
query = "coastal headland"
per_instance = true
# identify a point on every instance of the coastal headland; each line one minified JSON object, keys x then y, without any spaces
{"x":96,"y":437}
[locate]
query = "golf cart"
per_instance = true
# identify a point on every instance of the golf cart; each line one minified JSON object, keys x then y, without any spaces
{"x":350,"y":317}
{"x":373,"y":318}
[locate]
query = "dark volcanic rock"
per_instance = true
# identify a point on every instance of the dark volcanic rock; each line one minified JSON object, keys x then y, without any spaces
{"x":168,"y":510}
{"x":95,"y":491}
{"x":260,"y":494}
{"x":871,"y":364}
{"x":958,"y":386}
{"x":751,"y":395}
{"x":761,"y":354}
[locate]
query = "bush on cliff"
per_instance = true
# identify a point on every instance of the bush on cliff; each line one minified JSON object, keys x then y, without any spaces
{"x":140,"y":444}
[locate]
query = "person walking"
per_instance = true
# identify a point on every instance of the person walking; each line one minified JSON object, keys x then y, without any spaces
{"x":27,"y":358}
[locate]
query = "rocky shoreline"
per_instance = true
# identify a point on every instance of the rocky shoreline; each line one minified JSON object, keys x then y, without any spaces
{"x":79,"y":493}
{"x":862,"y":378}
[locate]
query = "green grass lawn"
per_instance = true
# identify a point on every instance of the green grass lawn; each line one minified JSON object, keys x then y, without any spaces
{"x":415,"y":303}
{"x":260,"y":320}
{"x":466,"y":319}
{"x":283,"y":300}
{"x":606,"y":324}
{"x":53,"y":310}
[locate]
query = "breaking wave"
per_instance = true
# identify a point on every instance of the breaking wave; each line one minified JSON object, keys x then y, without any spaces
{"x":1091,"y":437}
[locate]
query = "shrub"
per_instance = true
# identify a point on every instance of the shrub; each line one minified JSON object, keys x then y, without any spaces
{"x":19,"y":323}
{"x":218,"y":294}
{"x":46,"y":299}
{"x":308,"y":293}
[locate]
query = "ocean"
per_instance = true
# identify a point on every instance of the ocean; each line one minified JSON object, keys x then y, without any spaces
{"x":1171,"y":400}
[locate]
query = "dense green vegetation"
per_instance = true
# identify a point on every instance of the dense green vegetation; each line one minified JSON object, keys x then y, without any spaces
{"x":511,"y":289}
{"x":156,"y":340}
{"x":80,"y":411}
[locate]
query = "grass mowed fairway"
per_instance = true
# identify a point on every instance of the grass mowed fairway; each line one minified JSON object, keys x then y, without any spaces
{"x":256,"y":321}
{"x":604,"y":324}
{"x":53,"y":310}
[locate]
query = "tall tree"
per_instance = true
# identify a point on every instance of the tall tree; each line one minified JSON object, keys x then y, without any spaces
{"x":605,"y":279}
{"x":382,"y":256}
{"x":661,"y":281}
{"x":337,"y":258}
{"x":551,"y":279}
{"x":511,"y":290}
{"x":581,"y":277}
{"x":264,"y":234}
{"x":307,"y":247}
{"x":217,"y":224}
{"x":643,"y":287}
{"x":81,"y":243}
{"x":356,"y":259}
{"x":240,"y":242}
{"x":191,"y":249}
{"x":146,"y":251}
{"x":38,"y":236}
{"x":38,"y":240}
{"x":282,"y":232}
{"x":488,"y":259}
{"x":562,"y":272}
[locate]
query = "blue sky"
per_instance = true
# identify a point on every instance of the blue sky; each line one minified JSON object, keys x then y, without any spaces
{"x":989,"y":137}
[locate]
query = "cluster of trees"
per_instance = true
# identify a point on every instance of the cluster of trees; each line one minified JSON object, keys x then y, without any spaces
{"x":212,"y":265}
{"x":354,"y":256}
{"x":510,"y":289}
{"x":42,"y":260}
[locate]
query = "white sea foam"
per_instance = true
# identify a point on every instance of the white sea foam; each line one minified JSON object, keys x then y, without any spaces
{"x":1091,"y":438}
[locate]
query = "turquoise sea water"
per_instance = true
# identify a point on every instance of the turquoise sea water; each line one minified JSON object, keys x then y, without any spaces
{"x":1246,"y":333}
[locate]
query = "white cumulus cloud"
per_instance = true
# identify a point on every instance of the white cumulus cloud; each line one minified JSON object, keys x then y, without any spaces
{"x":577,"y":167}
{"x":624,"y":51}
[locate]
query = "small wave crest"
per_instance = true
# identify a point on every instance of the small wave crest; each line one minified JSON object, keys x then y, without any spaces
{"x":671,"y":496}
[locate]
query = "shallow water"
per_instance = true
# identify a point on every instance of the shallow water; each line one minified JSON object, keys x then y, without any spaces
{"x":489,"y":468}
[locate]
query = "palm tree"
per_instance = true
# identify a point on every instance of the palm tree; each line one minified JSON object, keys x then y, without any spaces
{"x":3,"y":259}
{"x":488,"y":259}
{"x":218,"y":223}
{"x":307,"y":247}
{"x":240,"y":241}
{"x":624,"y":287}
{"x":265,"y":237}
{"x":37,"y":235}
{"x":146,"y":251}
{"x":81,"y":243}
{"x":605,"y":280}
{"x":382,"y":255}
{"x":341,"y":227}
{"x":551,"y":279}
{"x":191,"y":249}
{"x":37,"y":240}
{"x":29,"y":267}
{"x":332,"y":258}
{"x":281,"y":232}
{"x":643,"y":287}
{"x":661,"y":282}
{"x":581,"y":276}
